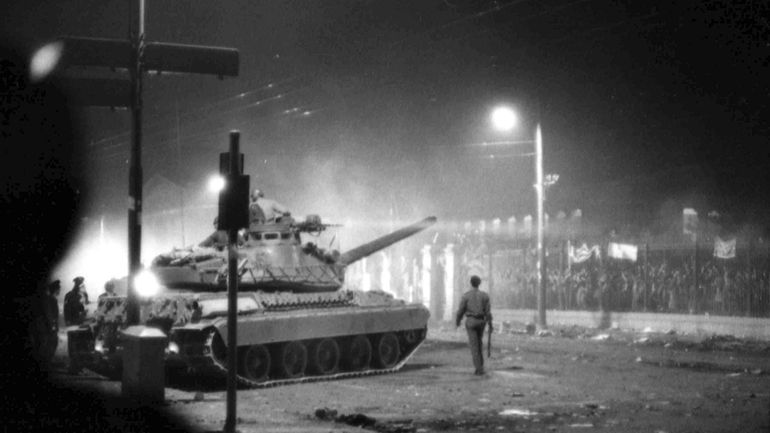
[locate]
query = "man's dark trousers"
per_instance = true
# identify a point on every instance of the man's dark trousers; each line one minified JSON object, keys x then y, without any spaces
{"x":475,"y":328}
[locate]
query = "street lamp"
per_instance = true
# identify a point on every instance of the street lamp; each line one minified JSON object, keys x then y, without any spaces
{"x":504,"y":119}
{"x":216,"y":183}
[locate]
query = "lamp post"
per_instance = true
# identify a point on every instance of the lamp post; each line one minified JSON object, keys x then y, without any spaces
{"x":540,"y":187}
{"x":504,"y":119}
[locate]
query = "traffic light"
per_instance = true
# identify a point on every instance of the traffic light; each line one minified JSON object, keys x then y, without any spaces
{"x":234,"y":197}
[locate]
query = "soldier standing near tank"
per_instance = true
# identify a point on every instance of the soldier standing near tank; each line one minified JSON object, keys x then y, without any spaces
{"x":475,"y":307}
{"x":50,"y":337}
{"x":75,"y":303}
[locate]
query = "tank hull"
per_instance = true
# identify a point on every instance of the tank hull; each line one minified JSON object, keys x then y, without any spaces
{"x":288,"y":338}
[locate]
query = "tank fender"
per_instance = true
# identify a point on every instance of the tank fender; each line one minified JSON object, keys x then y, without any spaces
{"x":308,"y":324}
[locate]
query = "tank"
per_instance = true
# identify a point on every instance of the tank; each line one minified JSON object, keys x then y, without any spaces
{"x":296,"y":320}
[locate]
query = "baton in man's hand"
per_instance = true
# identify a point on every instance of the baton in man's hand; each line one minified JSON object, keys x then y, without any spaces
{"x":489,"y":341}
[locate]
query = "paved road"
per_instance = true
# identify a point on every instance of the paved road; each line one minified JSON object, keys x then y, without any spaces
{"x":574,"y":381}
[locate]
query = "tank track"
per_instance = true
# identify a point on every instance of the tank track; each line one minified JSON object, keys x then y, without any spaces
{"x":218,"y":369}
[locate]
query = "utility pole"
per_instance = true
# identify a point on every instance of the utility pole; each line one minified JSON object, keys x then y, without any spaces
{"x":136,"y":37}
{"x":233,"y":216}
{"x":232,"y":301}
{"x":179,"y":171}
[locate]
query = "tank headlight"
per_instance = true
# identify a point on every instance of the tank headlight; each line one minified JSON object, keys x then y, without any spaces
{"x":146,"y":284}
{"x":173,"y":348}
{"x":99,"y":346}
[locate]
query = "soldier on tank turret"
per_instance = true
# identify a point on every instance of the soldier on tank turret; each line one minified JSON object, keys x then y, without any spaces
{"x":264,"y":210}
{"x":109,"y":290}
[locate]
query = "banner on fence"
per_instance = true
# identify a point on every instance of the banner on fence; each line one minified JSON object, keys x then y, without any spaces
{"x":622,"y":251}
{"x":582,"y":253}
{"x":724,"y":249}
{"x":690,"y":222}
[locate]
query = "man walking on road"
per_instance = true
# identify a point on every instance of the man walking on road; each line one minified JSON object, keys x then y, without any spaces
{"x":476,"y":309}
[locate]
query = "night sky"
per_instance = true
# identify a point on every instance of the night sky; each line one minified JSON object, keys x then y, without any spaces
{"x":356,"y":109}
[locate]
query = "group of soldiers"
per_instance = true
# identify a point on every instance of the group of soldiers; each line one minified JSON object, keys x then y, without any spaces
{"x":46,"y":335}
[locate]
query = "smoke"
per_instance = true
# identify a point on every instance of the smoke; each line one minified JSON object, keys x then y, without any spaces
{"x":98,"y":253}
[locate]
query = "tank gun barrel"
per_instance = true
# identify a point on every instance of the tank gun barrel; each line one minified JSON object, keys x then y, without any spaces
{"x":383,"y":242}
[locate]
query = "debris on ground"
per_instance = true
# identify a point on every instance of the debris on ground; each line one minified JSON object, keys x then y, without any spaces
{"x":518,"y":412}
{"x":530,"y":328}
{"x":731,"y":370}
{"x":715,"y":342}
{"x":364,"y":421}
{"x":356,"y":420}
{"x":326,"y":414}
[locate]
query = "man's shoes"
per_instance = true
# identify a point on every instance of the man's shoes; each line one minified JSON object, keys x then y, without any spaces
{"x":479,"y":373}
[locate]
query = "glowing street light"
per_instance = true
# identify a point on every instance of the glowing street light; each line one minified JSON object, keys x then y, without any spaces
{"x":504,"y":119}
{"x":45,"y":60}
{"x":216,"y":183}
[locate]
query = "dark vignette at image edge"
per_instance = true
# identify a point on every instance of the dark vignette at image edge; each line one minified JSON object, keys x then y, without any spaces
{"x":40,"y":195}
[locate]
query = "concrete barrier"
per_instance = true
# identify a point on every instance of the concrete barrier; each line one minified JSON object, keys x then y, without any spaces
{"x":744,"y":327}
{"x":144,"y":377}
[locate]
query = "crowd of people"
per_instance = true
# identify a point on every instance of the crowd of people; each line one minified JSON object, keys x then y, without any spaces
{"x":661,"y":285}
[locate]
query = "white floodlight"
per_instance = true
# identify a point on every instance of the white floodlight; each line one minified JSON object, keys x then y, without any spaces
{"x":146,"y":284}
{"x":216,"y":183}
{"x":504,"y":119}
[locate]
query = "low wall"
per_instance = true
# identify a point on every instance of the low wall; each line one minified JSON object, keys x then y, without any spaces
{"x":659,"y":322}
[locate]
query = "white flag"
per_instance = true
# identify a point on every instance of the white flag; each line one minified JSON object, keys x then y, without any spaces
{"x":583,"y":253}
{"x":690,"y":222}
{"x":622,"y":251}
{"x":724,"y":249}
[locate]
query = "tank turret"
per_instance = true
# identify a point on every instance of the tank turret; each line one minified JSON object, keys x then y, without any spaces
{"x":272,"y":257}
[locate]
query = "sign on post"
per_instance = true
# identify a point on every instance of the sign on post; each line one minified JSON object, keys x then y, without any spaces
{"x":157,"y":56}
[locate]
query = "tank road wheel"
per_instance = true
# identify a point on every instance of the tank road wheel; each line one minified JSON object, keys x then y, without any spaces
{"x":412,"y":337}
{"x":255,"y":362}
{"x":325,"y":357}
{"x":359,"y":353}
{"x":386,"y":350}
{"x":292,"y":360}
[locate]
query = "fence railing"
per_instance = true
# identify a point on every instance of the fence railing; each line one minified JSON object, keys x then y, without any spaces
{"x":661,"y":280}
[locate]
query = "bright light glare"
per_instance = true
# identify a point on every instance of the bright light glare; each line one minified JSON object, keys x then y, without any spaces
{"x":45,"y":60}
{"x":504,"y":119}
{"x":146,"y":284}
{"x":216,"y":184}
{"x":173,"y":347}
